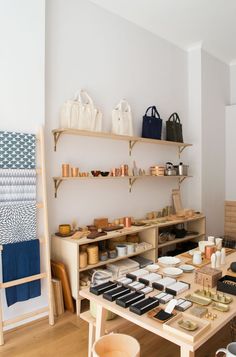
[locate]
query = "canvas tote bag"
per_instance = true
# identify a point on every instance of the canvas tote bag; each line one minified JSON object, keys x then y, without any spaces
{"x":122,"y":119}
{"x":174,"y":128}
{"x":80,"y":113}
{"x":152,"y":124}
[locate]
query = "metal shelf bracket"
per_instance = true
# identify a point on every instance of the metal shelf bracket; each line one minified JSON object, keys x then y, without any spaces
{"x":131,"y":182}
{"x":56,"y":186}
{"x":56,"y":136}
{"x":181,"y":149}
{"x":131,"y":145}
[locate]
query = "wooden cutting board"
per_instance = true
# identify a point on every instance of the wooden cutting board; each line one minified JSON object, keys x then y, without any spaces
{"x":59,"y":272}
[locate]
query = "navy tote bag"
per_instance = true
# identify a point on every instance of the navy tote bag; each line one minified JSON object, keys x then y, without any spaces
{"x":152,"y":124}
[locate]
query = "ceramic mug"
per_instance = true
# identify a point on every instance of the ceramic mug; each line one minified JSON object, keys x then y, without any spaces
{"x":230,"y":350}
{"x":211,"y":239}
{"x":197,"y":257}
{"x":219,"y":243}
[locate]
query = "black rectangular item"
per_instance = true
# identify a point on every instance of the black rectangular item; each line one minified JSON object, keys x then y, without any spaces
{"x":144,"y":306}
{"x":102,"y":288}
{"x":113,"y":294}
{"x":127,"y":300}
{"x":227,"y":284}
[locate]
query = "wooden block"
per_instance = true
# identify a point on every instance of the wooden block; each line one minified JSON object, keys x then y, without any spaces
{"x":207,"y":276}
{"x":100,"y":222}
{"x":58,"y":297}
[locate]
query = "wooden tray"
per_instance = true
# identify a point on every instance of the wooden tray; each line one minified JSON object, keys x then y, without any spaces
{"x":173,"y":326}
{"x":204,"y":262}
{"x":59,"y":272}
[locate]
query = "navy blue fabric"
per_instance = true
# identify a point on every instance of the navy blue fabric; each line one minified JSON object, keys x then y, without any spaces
{"x":20,"y":260}
{"x":152,"y":124}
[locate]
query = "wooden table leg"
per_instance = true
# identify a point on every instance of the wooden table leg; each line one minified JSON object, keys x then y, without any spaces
{"x":185,"y":352}
{"x":100,"y":321}
{"x":91,"y":338}
{"x":78,"y":306}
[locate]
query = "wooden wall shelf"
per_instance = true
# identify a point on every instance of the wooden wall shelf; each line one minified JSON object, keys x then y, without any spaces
{"x":132,"y":140}
{"x":59,"y":179}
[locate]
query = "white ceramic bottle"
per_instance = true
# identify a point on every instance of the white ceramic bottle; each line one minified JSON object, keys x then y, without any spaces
{"x":213,"y":260}
{"x":223,"y":255}
{"x":218,"y":259}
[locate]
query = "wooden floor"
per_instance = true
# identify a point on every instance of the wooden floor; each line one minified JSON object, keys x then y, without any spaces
{"x":69,"y":337}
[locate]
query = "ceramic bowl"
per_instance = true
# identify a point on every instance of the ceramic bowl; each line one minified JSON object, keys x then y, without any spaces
{"x":104,"y":173}
{"x":95,"y":173}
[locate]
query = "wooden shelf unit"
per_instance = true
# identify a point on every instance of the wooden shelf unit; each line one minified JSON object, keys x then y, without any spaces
{"x":59,"y":179}
{"x":132,"y":140}
{"x":67,"y":250}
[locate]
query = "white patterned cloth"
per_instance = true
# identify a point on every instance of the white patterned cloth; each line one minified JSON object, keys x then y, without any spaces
{"x":18,"y":222}
{"x":17,"y":185}
{"x":17,"y":150}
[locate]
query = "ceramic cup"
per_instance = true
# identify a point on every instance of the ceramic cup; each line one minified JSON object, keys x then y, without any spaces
{"x":219,"y":243}
{"x":230,"y":350}
{"x":202,"y":244}
{"x":197,"y":257}
{"x":211,"y":239}
{"x":130,"y":248}
{"x":121,"y":250}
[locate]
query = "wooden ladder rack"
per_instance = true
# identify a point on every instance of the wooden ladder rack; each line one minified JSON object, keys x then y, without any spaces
{"x":45,"y":241}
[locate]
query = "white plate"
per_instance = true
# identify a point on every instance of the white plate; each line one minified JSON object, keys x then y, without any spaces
{"x":152,"y":268}
{"x":172,"y":272}
{"x":169,"y":261}
{"x":187,"y":268}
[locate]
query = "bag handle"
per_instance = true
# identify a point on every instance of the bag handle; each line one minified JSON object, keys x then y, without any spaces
{"x":83,"y":97}
{"x":123,"y":106}
{"x":154,"y":112}
{"x":175,"y":117}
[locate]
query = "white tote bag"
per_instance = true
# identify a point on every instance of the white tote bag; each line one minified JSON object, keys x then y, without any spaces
{"x":69,"y":114}
{"x":80,"y":113}
{"x":90,"y":118}
{"x":122,"y":119}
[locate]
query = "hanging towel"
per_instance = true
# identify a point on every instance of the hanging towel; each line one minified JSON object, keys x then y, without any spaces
{"x":20,"y":260}
{"x":17,"y":150}
{"x":17,"y":222}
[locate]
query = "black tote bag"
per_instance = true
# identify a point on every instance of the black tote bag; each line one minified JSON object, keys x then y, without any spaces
{"x":174,"y":129}
{"x":152,"y":124}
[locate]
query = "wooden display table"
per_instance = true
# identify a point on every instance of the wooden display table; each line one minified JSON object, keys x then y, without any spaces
{"x":187,"y":348}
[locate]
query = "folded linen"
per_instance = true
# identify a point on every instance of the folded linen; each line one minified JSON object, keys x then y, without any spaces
{"x":17,"y":150}
{"x":18,"y":222}
{"x":20,"y":260}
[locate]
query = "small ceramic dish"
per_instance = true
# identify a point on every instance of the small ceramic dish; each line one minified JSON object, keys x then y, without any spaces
{"x":187,"y":268}
{"x":152,"y":268}
{"x":95,"y":173}
{"x":104,"y":173}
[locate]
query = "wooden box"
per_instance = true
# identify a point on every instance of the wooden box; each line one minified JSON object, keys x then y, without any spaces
{"x":207,"y":276}
{"x":100,"y":222}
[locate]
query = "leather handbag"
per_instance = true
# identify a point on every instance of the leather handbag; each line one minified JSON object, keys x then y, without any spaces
{"x":80,"y":113}
{"x":122,"y":119}
{"x":174,"y":129}
{"x":152,"y":124}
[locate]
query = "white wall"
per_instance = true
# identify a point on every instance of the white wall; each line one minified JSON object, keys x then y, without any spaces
{"x":230,"y":150}
{"x":215,"y":95}
{"x":194,"y":129}
{"x":22,"y":31}
{"x":90,"y":48}
{"x":233,"y":84}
